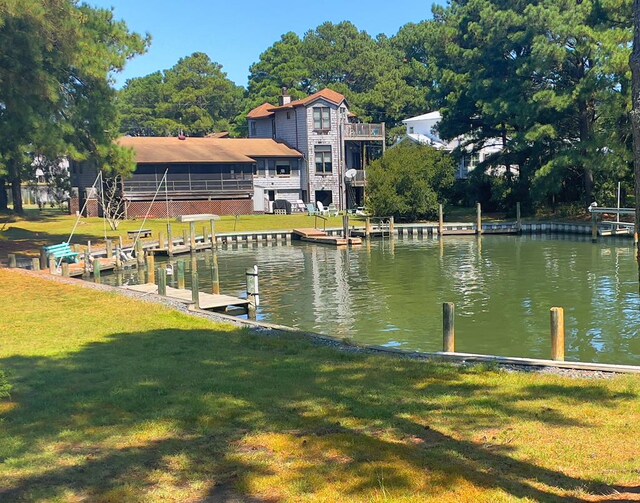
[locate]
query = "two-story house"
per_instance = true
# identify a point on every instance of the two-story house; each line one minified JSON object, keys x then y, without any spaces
{"x":423,"y":129}
{"x":335,"y":149}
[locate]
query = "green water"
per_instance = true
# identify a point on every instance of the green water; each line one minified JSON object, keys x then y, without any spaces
{"x":391,"y":293}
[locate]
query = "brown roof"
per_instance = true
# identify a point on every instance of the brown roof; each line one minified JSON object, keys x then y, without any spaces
{"x":220,"y":134}
{"x":204,"y":150}
{"x":261,"y":112}
{"x":328,"y":94}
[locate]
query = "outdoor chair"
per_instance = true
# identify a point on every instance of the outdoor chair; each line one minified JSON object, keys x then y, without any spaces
{"x":333,"y":210}
{"x":321,"y":209}
{"x":311,"y":209}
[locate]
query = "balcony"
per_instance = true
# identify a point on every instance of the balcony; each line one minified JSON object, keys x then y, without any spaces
{"x":358,"y":180}
{"x":363,"y":132}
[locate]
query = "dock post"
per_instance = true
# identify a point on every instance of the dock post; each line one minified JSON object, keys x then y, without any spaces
{"x":35,"y":264}
{"x":97,"y":267}
{"x":109,"y":245}
{"x":180,"y":274}
{"x":87,"y":263}
{"x":43,"y":259}
{"x":65,"y":269}
{"x":635,"y":233}
{"x":89,"y":246}
{"x":345,"y":226}
{"x":518,"y":219}
{"x":118,"y":258}
{"x":440,"y":220}
{"x":213,"y":233}
{"x":192,"y":233}
{"x":478,"y":219}
{"x":195,"y":292}
{"x":12,"y":260}
{"x":253,"y":292}
{"x":448,"y":330}
{"x":215,"y":277}
{"x":161,"y":240}
{"x":367,"y":228}
{"x":185,"y":237}
{"x":392,"y":226}
{"x":204,"y":234}
{"x":139,"y":253}
{"x":120,"y":242}
{"x":52,"y":265}
{"x":594,"y":227}
{"x":170,"y":240}
{"x":151,"y":267}
{"x":557,"y":333}
{"x":161,"y":274}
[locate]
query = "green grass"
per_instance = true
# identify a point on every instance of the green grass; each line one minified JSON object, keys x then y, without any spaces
{"x":117,"y":400}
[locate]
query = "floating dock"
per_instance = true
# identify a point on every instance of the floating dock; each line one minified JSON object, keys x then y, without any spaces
{"x":321,"y":237}
{"x":207,"y":301}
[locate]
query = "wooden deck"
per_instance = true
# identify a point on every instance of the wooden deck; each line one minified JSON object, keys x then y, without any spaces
{"x":207,"y":301}
{"x":320,"y":237}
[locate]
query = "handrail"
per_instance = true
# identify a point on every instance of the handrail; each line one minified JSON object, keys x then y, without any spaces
{"x":315,"y":222}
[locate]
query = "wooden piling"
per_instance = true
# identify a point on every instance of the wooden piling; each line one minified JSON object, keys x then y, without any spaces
{"x":557,"y":333}
{"x":518,"y":218}
{"x":109,"y":246}
{"x":43,"y":259}
{"x":594,"y":227}
{"x":35,"y":264}
{"x":448,"y":329}
{"x":87,"y":263}
{"x":161,"y":274}
{"x":139,"y":253}
{"x":89,"y":246}
{"x":185,"y":237}
{"x":345,"y":226}
{"x":392,"y":226}
{"x":478,"y":219}
{"x":12,"y":260}
{"x":215,"y":277}
{"x":180,"y":274}
{"x":65,"y":269}
{"x":440,"y":220}
{"x":53,"y":269}
{"x":118,"y":259}
{"x":170,"y":240}
{"x":120,"y":243}
{"x":253,"y":291}
{"x":97,"y":268}
{"x":213,"y":233}
{"x":367,"y":228}
{"x":192,"y":233}
{"x":151,"y":267}
{"x":161,"y":241}
{"x":195,"y":292}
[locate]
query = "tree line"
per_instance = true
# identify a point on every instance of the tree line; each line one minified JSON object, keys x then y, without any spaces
{"x":549,"y":79}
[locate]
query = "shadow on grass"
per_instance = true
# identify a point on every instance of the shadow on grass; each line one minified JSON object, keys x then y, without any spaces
{"x":116,"y":414}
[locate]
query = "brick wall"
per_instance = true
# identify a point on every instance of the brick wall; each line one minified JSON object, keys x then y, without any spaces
{"x":138,"y":209}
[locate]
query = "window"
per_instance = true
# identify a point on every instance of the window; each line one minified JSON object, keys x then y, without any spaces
{"x":323,"y":159}
{"x":410,"y":129}
{"x":288,"y":115}
{"x":252,"y":125}
{"x":283,"y":168}
{"x":322,"y":118}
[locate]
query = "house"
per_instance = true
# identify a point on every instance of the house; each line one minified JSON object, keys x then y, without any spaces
{"x":423,"y":129}
{"x":334,"y":146}
{"x":203,"y":175}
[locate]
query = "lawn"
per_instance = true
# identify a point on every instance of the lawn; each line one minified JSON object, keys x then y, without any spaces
{"x":117,"y":400}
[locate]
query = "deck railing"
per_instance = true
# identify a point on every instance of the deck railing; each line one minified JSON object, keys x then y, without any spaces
{"x":220,"y":185}
{"x":356,"y":131}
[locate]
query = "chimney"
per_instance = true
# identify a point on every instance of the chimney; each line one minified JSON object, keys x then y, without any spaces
{"x":285,"y":99}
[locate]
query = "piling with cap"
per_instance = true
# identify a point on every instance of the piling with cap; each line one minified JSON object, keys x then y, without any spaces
{"x":557,"y":333}
{"x":151,"y":267}
{"x":448,"y":328}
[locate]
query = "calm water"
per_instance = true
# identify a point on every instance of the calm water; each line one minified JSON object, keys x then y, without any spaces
{"x":391,"y":293}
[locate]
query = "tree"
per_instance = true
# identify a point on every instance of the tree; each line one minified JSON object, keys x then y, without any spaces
{"x":409,"y":181}
{"x":55,"y":91}
{"x":635,"y":113}
{"x":194,"y":96}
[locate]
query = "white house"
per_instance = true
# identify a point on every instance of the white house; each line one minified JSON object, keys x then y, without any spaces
{"x":423,"y":129}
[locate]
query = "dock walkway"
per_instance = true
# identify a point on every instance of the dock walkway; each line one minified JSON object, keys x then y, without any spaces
{"x":207,"y":301}
{"x":321,"y":237}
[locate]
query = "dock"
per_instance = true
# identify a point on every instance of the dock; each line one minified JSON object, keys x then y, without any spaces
{"x":207,"y":301}
{"x":321,"y":237}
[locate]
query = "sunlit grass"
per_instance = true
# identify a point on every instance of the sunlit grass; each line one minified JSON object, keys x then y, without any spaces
{"x":118,"y":400}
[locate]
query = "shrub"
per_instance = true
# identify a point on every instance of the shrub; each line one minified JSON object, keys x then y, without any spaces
{"x":409,"y":181}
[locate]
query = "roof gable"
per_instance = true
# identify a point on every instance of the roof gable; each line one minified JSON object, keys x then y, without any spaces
{"x":327,"y":94}
{"x":261,"y":112}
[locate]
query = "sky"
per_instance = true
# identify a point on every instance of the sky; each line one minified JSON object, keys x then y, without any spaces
{"x":234,"y":34}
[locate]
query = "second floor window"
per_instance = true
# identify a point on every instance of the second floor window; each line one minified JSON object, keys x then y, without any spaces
{"x":252,"y":126}
{"x":283,"y":168}
{"x":321,"y":118}
{"x":323,"y":159}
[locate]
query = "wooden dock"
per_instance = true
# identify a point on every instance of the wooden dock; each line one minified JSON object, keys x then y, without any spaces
{"x":321,"y":237}
{"x":207,"y":301}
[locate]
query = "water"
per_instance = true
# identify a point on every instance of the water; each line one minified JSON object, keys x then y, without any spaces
{"x":391,"y":293}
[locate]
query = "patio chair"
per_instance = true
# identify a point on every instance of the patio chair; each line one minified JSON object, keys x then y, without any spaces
{"x":311,"y":209}
{"x":333,"y":210}
{"x":321,"y":209}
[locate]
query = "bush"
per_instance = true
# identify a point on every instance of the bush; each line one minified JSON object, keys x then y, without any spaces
{"x":409,"y":181}
{"x":5,"y":387}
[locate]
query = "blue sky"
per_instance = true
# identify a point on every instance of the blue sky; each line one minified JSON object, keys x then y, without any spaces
{"x":235,"y":33}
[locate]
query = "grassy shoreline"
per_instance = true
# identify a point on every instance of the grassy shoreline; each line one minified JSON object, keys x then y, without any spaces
{"x":118,"y":400}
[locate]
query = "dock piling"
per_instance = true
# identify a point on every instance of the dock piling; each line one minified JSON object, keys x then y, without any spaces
{"x":440,"y":220}
{"x":65,"y":269}
{"x":192,"y":233}
{"x":215,"y":277}
{"x":345,"y":226}
{"x":43,"y":259}
{"x":87,"y":264}
{"x":170,"y":240}
{"x":161,"y":274}
{"x":478,"y":219}
{"x":35,"y":264}
{"x":367,"y":228}
{"x":213,"y":233}
{"x":161,"y":241}
{"x":253,"y":293}
{"x":12,"y":260}
{"x":518,"y":219}
{"x":392,"y":225}
{"x":53,"y":269}
{"x":448,"y":328}
{"x":97,"y":268}
{"x":151,"y":267}
{"x":557,"y":333}
{"x":594,"y":227}
{"x":109,"y":246}
{"x":118,"y":261}
{"x":180,"y":274}
{"x":195,"y":292}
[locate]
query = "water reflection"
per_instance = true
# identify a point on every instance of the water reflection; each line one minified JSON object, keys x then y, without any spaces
{"x":392,"y":292}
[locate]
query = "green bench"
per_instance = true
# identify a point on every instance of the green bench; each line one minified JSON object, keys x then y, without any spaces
{"x":61,"y":252}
